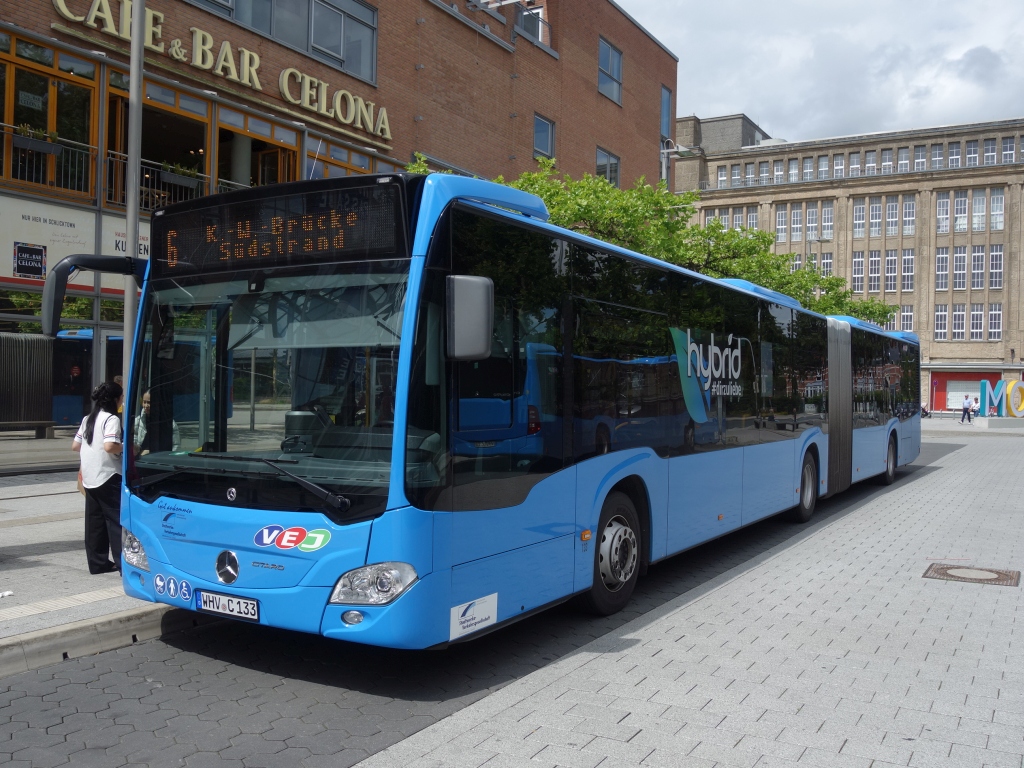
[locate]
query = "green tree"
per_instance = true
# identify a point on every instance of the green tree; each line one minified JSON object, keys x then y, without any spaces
{"x":653,"y":221}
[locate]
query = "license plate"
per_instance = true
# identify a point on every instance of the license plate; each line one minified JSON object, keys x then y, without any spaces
{"x":486,"y":444}
{"x":228,"y":605}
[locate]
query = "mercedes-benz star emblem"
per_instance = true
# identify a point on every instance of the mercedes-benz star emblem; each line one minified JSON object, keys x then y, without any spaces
{"x":232,"y":494}
{"x":227,"y":567}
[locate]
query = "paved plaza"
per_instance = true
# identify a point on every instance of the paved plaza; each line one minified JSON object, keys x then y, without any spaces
{"x":815,"y":645}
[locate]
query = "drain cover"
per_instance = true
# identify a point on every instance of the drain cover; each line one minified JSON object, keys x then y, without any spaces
{"x":973,"y":575}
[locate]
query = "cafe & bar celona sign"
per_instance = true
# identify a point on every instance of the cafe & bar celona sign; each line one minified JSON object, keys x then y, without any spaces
{"x":201,"y":51}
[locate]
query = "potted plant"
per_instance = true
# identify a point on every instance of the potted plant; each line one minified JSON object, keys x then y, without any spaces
{"x":36,"y":140}
{"x":179,"y":175}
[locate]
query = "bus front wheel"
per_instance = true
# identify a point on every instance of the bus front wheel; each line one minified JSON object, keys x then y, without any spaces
{"x":889,"y":476}
{"x":802,"y":512}
{"x":616,"y":556}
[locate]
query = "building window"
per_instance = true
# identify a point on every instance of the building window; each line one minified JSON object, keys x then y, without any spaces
{"x":826,"y":220}
{"x":995,"y":267}
{"x":977,"y":267}
{"x":823,"y":166}
{"x":941,"y":212}
{"x":797,"y":262}
{"x":908,"y":270}
{"x":752,"y":217}
{"x":543,"y":137}
{"x":941,"y":316}
{"x":936,"y":157}
{"x":344,"y":32}
{"x":870,"y":164}
{"x":1009,"y":151}
{"x":890,"y":270}
{"x":737,"y":218}
{"x":875,"y":217}
{"x":797,"y":233}
{"x":808,"y":168}
{"x":723,"y":216}
{"x":609,"y":71}
{"x":942,"y":269}
{"x":920,"y":158}
{"x":826,"y":264}
{"x":972,"y":154}
{"x":909,"y":214}
{"x":855,"y":163}
{"x":995,"y":322}
{"x":778,"y":172}
{"x":735,"y":175}
{"x":890,"y":324}
{"x":763,"y":171}
{"x":666,"y":113}
{"x":978,"y":210}
{"x":723,"y":177}
{"x":794,"y":171}
{"x":608,"y":166}
{"x":960,"y":268}
{"x":858,"y":272}
{"x":959,"y":321}
{"x":748,"y":174}
{"x":886,"y":161}
{"x":903,"y":160}
{"x":874,"y":271}
{"x":907,"y":317}
{"x":812,"y":221}
{"x":837,"y":166}
{"x":990,"y":152}
{"x":781,"y":217}
{"x":892,"y":216}
{"x":977,"y":322}
{"x":996,"y":210}
{"x":709,"y":216}
{"x":960,"y":211}
{"x":954,"y":154}
{"x":858,"y":217}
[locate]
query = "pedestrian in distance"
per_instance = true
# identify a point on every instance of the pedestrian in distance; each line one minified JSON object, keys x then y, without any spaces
{"x":967,"y":405}
{"x":98,"y":442}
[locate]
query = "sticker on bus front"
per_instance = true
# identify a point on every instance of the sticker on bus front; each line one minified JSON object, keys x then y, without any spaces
{"x":474,"y":615}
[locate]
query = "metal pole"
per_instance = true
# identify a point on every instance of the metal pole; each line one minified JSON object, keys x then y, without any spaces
{"x":133,"y":171}
{"x":252,"y":391}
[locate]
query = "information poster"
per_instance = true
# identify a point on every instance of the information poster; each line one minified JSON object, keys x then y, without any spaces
{"x":30,"y":261}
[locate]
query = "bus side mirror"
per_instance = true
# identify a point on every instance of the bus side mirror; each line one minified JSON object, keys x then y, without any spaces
{"x":470,"y":317}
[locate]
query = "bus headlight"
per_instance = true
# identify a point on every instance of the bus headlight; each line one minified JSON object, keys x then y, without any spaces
{"x":133,"y":551}
{"x":377,"y":584}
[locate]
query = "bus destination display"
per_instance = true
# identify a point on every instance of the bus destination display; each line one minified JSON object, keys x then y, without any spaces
{"x":331,"y":225}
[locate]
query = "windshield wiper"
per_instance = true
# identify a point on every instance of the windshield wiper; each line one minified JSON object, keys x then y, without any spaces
{"x":335,"y":501}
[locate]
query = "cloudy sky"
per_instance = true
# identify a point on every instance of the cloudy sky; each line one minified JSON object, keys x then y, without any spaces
{"x":806,"y":69}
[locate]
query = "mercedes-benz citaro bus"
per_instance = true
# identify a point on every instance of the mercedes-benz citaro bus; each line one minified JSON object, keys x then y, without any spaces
{"x":340,"y":436}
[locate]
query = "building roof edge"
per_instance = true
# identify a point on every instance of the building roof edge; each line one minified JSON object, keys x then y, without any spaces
{"x":641,"y":27}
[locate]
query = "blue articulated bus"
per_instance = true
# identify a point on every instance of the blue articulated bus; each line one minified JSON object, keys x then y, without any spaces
{"x":458,"y":414}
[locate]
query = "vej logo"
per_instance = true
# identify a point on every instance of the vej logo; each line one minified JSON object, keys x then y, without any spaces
{"x":290,"y":538}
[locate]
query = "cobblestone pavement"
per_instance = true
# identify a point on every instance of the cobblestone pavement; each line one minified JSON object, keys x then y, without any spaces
{"x":236,"y":694}
{"x":832,"y":651}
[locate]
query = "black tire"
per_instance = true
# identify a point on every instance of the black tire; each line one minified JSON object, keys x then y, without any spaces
{"x":802,"y":512}
{"x":602,"y":441}
{"x":891,"y":457}
{"x":616,"y":557}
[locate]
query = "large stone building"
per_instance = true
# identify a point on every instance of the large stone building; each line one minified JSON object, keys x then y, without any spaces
{"x":241,"y":93}
{"x":926,"y":220}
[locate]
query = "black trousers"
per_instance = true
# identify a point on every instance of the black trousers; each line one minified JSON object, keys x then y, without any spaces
{"x":103,"y":526}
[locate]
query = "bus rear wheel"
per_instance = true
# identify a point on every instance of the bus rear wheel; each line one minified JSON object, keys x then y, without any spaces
{"x":616,"y":556}
{"x":802,"y":512}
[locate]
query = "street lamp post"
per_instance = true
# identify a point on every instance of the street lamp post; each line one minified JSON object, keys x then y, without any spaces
{"x":669,"y":147}
{"x":133,"y":173}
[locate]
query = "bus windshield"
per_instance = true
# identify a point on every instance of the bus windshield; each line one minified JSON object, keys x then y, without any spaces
{"x":245,"y":384}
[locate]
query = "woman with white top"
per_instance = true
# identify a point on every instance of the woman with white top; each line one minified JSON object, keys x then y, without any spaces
{"x":99,"y":443}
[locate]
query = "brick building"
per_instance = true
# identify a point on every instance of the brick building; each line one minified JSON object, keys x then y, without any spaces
{"x":241,"y":93}
{"x":926,"y":220}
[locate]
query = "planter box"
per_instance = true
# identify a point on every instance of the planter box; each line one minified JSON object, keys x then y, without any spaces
{"x":36,"y":145}
{"x":169,"y":177}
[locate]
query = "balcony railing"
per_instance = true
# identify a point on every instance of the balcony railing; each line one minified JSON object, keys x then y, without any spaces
{"x":157,"y":186}
{"x":530,"y":21}
{"x":226,"y":185}
{"x":61,"y":164}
